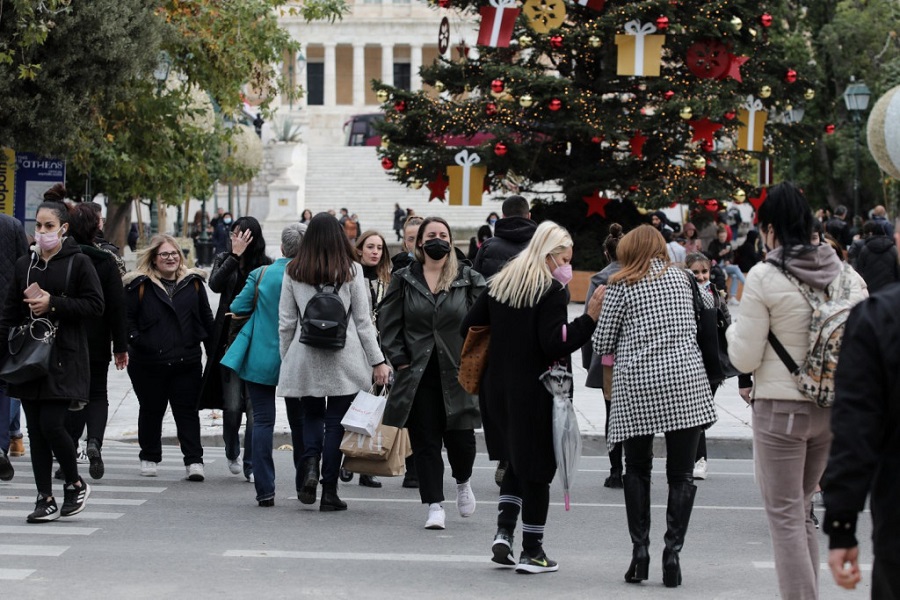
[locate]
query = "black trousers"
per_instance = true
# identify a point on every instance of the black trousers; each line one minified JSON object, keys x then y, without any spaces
{"x":48,"y":436}
{"x":427,"y":425}
{"x":157,"y":386}
{"x":96,"y":413}
{"x":535,"y":501}
{"x":681,"y":448}
{"x":885,"y":580}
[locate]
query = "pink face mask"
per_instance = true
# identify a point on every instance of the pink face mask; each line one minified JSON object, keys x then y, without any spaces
{"x":48,"y":241}
{"x":562,"y":273}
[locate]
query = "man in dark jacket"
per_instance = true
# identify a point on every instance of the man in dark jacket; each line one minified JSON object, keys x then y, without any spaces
{"x":877,"y":258}
{"x":838,"y":228}
{"x":865,"y":452}
{"x":13,"y":244}
{"x":511,"y":234}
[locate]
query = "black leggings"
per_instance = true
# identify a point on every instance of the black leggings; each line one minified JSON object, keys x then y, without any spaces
{"x":96,"y":413}
{"x":681,"y":448}
{"x":48,"y":436}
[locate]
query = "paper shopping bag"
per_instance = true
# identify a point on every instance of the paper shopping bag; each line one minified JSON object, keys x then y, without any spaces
{"x":393,"y":464}
{"x":365,"y":413}
{"x":376,"y":447}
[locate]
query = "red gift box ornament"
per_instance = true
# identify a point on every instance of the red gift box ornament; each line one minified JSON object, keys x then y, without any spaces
{"x":592,"y":4}
{"x":497,"y":22}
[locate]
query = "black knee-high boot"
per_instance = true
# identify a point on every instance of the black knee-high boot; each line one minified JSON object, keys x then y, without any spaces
{"x":678,"y":515}
{"x":637,"y":509}
{"x":307,"y":493}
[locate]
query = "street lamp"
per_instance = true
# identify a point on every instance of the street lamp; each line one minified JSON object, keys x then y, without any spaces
{"x":298,"y":64}
{"x":856,"y":98}
{"x":792,"y":116}
{"x":161,"y":75}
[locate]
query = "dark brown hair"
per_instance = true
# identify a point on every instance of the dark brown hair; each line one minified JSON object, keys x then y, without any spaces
{"x":325,"y":254}
{"x":383,"y":268}
{"x":611,"y":243}
{"x":84,"y":222}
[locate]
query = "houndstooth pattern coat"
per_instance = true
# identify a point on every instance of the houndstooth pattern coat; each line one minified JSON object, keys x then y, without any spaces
{"x":659,"y":383}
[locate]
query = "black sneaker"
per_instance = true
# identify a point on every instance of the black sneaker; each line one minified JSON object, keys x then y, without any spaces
{"x":536,"y":564}
{"x":6,"y":468}
{"x":502,"y":548}
{"x":410,"y":482}
{"x":614,"y":480}
{"x":44,"y":510}
{"x":93,"y":452}
{"x":74,"y":498}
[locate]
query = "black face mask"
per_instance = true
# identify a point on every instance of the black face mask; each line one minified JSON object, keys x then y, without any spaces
{"x":436,"y":249}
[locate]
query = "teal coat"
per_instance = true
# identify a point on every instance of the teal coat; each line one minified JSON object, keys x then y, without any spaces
{"x":254,"y":355}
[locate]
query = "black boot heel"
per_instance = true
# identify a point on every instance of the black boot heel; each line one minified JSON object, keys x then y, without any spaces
{"x":671,"y":569}
{"x":307,"y":494}
{"x":640,"y":565}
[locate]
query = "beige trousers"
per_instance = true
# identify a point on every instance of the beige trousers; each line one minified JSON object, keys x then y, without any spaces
{"x":791,"y":440}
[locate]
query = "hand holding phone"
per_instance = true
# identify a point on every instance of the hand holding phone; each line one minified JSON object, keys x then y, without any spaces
{"x":33,"y":291}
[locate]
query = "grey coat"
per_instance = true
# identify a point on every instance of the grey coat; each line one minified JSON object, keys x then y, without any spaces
{"x":414,"y":324}
{"x":317,"y":372}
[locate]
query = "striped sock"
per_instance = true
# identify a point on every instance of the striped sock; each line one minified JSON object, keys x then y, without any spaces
{"x":508,"y":512}
{"x":532,"y":537}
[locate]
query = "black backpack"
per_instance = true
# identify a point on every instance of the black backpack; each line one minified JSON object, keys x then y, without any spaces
{"x":324,"y":322}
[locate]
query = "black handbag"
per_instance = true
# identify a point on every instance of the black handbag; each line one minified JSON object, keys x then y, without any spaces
{"x":711,"y":326}
{"x":30,"y":346}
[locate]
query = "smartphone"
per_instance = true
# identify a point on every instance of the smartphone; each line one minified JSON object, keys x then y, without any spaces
{"x":33,"y":291}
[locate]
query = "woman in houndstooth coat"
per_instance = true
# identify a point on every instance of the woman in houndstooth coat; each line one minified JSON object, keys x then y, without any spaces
{"x":659,"y":386}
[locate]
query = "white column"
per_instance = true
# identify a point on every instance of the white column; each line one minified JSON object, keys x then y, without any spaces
{"x":415,"y":63}
{"x":330,"y":74}
{"x":387,"y":64}
{"x":359,"y":74}
{"x":300,"y":70}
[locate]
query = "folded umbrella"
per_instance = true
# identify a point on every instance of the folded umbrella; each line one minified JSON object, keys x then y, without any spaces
{"x":566,"y":436}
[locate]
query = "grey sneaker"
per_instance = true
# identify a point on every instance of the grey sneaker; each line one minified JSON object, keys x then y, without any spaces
{"x":194,"y":472}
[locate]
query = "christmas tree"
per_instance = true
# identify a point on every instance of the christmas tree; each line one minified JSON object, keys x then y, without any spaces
{"x":599,"y":104}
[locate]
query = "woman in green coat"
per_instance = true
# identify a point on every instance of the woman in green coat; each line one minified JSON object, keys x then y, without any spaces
{"x":419,"y":323}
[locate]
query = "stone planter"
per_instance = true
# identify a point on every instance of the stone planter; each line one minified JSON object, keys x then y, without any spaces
{"x":283,"y":155}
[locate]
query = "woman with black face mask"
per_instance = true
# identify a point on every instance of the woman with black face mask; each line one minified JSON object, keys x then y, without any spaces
{"x":419,"y":322}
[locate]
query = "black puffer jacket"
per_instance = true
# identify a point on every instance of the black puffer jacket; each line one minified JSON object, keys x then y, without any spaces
{"x":109,"y":327}
{"x":163,"y":330}
{"x":511,"y":235}
{"x":13,"y":245}
{"x":70,"y":306}
{"x":877,"y":262}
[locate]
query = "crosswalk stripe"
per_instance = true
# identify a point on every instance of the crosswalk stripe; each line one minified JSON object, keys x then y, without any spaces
{"x":92,"y":501}
{"x":87,"y":514}
{"x":15,"y":574}
{"x":95,"y":487}
{"x":134,"y":476}
{"x":27,"y":550}
{"x":761,"y":564}
{"x":46,"y":529}
{"x":367,"y":556}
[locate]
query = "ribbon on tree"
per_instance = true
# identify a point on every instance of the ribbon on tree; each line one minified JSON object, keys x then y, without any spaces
{"x":466,"y":179}
{"x":753,"y":118}
{"x":640,"y":52}
{"x":497,"y":22}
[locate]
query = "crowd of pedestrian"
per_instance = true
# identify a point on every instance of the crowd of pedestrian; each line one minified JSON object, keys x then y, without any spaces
{"x":336,"y":302}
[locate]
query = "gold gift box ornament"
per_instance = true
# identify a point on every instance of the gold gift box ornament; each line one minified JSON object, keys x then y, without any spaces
{"x":640,"y":50}
{"x":466,"y":180}
{"x":753,"y":118}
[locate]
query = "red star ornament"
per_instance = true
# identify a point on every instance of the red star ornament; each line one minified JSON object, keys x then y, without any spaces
{"x":756,"y":202}
{"x":438,"y":188}
{"x":704,"y":129}
{"x":734,"y":69}
{"x":637,"y":145}
{"x":596,"y":204}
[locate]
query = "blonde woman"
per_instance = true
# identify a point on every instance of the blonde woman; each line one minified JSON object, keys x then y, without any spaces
{"x":659,"y":386}
{"x":168,"y":317}
{"x":525,"y":307}
{"x":419,"y":321}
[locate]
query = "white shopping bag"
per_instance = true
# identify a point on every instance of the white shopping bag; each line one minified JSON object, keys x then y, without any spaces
{"x":364,"y":415}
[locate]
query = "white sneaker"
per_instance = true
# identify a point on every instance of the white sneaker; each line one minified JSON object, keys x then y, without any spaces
{"x":700,"y":468}
{"x":148,"y":468}
{"x":465,"y":499}
{"x":250,"y":478}
{"x":194,"y":472}
{"x":235,"y":466}
{"x":734,"y":301}
{"x":436,"y":517}
{"x":81,"y":457}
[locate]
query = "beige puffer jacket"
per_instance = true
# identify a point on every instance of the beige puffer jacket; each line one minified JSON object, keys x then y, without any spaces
{"x":771,"y":301}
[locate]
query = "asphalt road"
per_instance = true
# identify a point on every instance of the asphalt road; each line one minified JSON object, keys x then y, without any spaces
{"x":170,"y":538}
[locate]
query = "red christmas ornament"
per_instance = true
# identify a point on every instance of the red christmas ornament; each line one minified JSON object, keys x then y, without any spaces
{"x":490,"y":109}
{"x":708,"y":146}
{"x":500,"y":149}
{"x":555,"y":104}
{"x":730,"y":115}
{"x":596,"y":204}
{"x":765,"y":20}
{"x":443,"y":3}
{"x":712,"y":205}
{"x":790,"y":76}
{"x":497,"y":86}
{"x":400,"y":105}
{"x":704,"y":129}
{"x":387,"y":163}
{"x":734,"y":68}
{"x":708,"y":59}
{"x":829,"y":129}
{"x":669,"y":95}
{"x":662,"y":23}
{"x":438,"y":187}
{"x":633,"y":188}
{"x":556,"y":41}
{"x":637,"y":144}
{"x":596,"y":139}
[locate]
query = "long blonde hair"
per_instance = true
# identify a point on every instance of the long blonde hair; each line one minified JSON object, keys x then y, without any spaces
{"x":450,"y":269}
{"x":524,"y":279}
{"x":635,"y":252}
{"x":146,"y":264}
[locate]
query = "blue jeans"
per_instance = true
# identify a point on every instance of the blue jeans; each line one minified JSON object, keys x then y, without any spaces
{"x":262,"y":398}
{"x":4,"y":420}
{"x":236,"y":403}
{"x":322,"y":432}
{"x":15,"y":412}
{"x":295,"y":420}
{"x":736,"y":276}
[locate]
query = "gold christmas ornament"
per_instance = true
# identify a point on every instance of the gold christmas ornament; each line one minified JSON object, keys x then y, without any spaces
{"x":739,"y":196}
{"x":686,"y":112}
{"x":385,"y":142}
{"x":752,"y":32}
{"x":439,"y":86}
{"x":765,"y":91}
{"x":736,"y":23}
{"x":525,"y":41}
{"x":382,"y":96}
{"x":594,"y":41}
{"x":403,"y":161}
{"x":416,"y":184}
{"x":699,"y":163}
{"x":544,"y":15}
{"x":809,"y":94}
{"x":526,"y":101}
